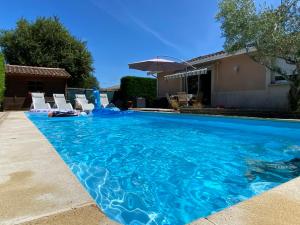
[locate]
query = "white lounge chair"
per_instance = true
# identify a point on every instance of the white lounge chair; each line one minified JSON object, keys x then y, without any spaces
{"x":61,"y":103}
{"x":104,"y":101}
{"x":83,"y":103}
{"x":39,"y":103}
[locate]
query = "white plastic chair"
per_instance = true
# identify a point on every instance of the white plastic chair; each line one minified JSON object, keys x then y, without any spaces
{"x":104,"y":100}
{"x":39,"y":103}
{"x":83,"y":102}
{"x":61,"y":103}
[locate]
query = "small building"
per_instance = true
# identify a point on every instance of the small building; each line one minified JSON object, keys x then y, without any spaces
{"x":231,"y":81}
{"x":20,"y":81}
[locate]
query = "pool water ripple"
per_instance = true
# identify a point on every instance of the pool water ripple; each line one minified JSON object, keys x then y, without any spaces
{"x":151,"y":168}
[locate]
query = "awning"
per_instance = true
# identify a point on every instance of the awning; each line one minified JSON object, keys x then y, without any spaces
{"x":186,"y":74}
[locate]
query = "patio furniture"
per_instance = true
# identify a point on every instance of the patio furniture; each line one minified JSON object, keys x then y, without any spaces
{"x":172,"y":102}
{"x":61,"y":103}
{"x":196,"y":103}
{"x":83,"y":103}
{"x":140,"y":102}
{"x":104,"y":101}
{"x":183,"y":98}
{"x":39,"y":103}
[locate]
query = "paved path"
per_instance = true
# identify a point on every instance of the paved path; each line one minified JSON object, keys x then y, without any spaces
{"x":36,"y":186}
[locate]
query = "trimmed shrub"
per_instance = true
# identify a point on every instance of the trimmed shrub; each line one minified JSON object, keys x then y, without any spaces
{"x":161,"y":103}
{"x":134,"y":87}
{"x":2,"y":79}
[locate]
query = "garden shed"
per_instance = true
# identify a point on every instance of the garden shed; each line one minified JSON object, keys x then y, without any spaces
{"x":21,"y":81}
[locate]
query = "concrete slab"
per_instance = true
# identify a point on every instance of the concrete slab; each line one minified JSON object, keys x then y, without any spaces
{"x":85,"y":215}
{"x":34,"y":180}
{"x":279,"y":206}
{"x":202,"y":221}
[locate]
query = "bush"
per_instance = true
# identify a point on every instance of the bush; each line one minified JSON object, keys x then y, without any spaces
{"x":2,"y":79}
{"x":161,"y":103}
{"x":133,"y":87}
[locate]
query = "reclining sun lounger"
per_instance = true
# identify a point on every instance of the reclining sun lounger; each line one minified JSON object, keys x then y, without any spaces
{"x":83,"y":103}
{"x":61,"y":103}
{"x":38,"y":103}
{"x":104,"y":101}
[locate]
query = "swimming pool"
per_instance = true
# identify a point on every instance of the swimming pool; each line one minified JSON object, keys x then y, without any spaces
{"x":152,"y":168}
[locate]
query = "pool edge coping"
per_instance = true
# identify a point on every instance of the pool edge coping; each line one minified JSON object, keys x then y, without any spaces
{"x":220,"y":116}
{"x":273,"y":207}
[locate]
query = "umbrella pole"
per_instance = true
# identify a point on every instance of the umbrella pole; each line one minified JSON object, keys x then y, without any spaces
{"x":186,"y":82}
{"x":198,"y":86}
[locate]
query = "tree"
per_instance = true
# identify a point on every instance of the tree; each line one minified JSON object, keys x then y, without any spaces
{"x":90,"y":82}
{"x":46,"y":42}
{"x":273,"y":33}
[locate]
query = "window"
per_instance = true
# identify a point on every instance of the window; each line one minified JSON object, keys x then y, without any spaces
{"x":193,"y":84}
{"x":35,"y":86}
{"x":277,"y":78}
{"x":286,"y":68}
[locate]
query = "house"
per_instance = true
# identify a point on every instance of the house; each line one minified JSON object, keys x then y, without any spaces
{"x":20,"y":81}
{"x":231,"y":81}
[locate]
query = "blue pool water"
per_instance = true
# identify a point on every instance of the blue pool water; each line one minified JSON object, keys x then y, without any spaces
{"x":151,"y":168}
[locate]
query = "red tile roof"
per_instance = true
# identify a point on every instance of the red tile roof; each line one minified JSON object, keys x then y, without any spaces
{"x":207,"y":56}
{"x":16,"y":70}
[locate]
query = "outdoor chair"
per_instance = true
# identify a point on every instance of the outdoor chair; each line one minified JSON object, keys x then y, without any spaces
{"x":104,"y":101}
{"x":172,"y":102}
{"x":83,"y":103}
{"x":61,"y":103}
{"x":183,"y":99}
{"x":39,"y":103}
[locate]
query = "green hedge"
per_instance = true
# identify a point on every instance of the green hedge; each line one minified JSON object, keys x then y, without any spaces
{"x":133,"y":87}
{"x":2,"y":79}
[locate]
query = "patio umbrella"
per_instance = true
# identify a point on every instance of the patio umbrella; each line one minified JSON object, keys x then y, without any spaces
{"x":157,"y":65}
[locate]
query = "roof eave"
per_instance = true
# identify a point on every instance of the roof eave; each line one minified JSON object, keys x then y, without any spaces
{"x":36,"y":75}
{"x":222,"y":56}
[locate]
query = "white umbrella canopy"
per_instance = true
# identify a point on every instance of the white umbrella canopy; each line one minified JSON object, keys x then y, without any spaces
{"x":157,"y":65}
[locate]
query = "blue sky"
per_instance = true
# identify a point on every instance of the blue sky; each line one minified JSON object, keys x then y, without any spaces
{"x":122,"y":31}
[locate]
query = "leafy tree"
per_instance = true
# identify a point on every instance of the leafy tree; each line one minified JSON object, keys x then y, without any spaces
{"x":273,"y":33}
{"x":46,"y":42}
{"x":90,"y":82}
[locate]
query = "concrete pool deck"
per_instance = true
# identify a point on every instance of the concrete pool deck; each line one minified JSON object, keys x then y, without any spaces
{"x":36,"y":186}
{"x":278,"y":206}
